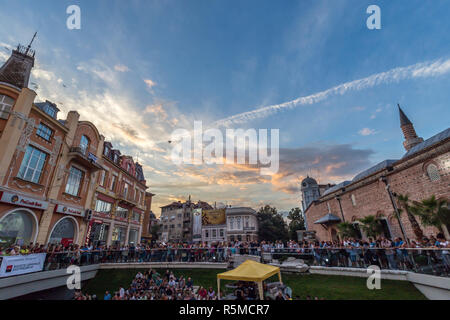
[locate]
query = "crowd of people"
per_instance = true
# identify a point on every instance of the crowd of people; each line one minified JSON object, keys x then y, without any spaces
{"x":150,"y":285}
{"x":388,"y":254}
{"x":252,"y":247}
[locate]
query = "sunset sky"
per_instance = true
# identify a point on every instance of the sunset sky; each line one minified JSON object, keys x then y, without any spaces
{"x":141,"y":69}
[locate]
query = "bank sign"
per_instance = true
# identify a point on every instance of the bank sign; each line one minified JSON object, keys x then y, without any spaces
{"x":18,"y":200}
{"x":16,"y":265}
{"x":69,"y":210}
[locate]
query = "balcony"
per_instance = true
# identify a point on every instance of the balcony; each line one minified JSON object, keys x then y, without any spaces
{"x":126,"y":199}
{"x":89,"y":161}
{"x":249,"y":228}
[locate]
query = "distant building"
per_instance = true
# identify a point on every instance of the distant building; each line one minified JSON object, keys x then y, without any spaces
{"x":176,"y":220}
{"x":149,"y":219}
{"x":423,"y":171}
{"x":242,"y":224}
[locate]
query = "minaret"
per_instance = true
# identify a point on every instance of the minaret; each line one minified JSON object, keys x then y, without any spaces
{"x":411,"y":138}
{"x":16,"y":70}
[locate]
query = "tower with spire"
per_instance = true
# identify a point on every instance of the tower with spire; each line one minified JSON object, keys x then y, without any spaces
{"x":411,"y":138}
{"x":17,"y":69}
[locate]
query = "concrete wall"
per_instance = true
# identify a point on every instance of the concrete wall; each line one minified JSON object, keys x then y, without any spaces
{"x":17,"y":286}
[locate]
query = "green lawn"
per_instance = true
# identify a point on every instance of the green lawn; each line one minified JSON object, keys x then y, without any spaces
{"x":327,"y":287}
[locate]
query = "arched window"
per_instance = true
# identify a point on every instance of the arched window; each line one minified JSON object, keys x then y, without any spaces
{"x":63,"y":232}
{"x":6,"y":104}
{"x":84,"y":144}
{"x":433,"y":172}
{"x":18,"y":227}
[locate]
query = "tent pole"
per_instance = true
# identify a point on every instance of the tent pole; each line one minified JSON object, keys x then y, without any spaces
{"x":261,"y":292}
{"x":279,"y":277}
{"x":218,"y":288}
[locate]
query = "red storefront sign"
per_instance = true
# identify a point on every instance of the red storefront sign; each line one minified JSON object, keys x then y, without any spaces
{"x":19,"y":200}
{"x":69,"y":210}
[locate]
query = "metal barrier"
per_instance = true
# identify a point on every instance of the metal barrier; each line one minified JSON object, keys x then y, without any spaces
{"x":427,"y":261}
{"x":420,"y":260}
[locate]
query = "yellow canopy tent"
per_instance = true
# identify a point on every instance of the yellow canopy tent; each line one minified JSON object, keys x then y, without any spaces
{"x":250,"y":271}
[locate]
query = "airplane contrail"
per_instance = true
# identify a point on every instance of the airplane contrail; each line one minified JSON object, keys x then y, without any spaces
{"x":419,"y":70}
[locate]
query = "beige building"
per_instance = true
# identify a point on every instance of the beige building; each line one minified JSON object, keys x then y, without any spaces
{"x":242,"y":224}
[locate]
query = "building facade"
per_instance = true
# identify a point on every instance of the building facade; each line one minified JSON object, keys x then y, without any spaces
{"x":242,"y":224}
{"x":119,"y":201}
{"x":149,"y":219}
{"x":176,"y":220}
{"x":422,"y":172}
{"x":50,"y":169}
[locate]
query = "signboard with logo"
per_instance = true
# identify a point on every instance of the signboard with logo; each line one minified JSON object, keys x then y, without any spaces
{"x":69,"y":210}
{"x":16,"y":265}
{"x":197,"y":225}
{"x":213,"y":217}
{"x":13,"y":198}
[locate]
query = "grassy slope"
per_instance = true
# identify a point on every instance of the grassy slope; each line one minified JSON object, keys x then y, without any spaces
{"x":327,"y":287}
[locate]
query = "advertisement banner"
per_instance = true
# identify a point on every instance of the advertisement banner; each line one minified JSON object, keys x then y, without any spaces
{"x":213,"y":217}
{"x":197,"y":225}
{"x":16,"y":265}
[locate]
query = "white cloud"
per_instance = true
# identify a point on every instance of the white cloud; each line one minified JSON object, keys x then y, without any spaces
{"x":150,"y":83}
{"x":366,"y":132}
{"x":419,"y":70}
{"x":121,"y":68}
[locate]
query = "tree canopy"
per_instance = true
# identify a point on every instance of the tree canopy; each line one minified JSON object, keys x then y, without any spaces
{"x":272,"y":226}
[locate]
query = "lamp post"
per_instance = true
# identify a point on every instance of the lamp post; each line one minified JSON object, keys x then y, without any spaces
{"x":338,"y":198}
{"x":397,"y":213}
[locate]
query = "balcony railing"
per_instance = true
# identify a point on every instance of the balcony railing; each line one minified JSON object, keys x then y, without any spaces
{"x":89,"y":160}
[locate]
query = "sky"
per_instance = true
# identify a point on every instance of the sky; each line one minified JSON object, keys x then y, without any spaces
{"x":139,"y":70}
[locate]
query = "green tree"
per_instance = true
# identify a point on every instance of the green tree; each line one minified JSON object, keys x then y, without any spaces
{"x":154,"y":229}
{"x":272,"y":226}
{"x":371,"y":226}
{"x":433,"y":212}
{"x":347,"y":230}
{"x":404,"y":203}
{"x":297,"y":222}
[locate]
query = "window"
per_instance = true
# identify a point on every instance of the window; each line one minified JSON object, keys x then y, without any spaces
{"x":125,"y":190}
{"x":122,"y":212}
{"x":247,"y":221}
{"x":74,"y":181}
{"x":113,"y":183}
{"x":433,"y":172}
{"x":214,"y":233}
{"x":115,"y":158}
{"x":84,"y":144}
{"x":106,"y":151}
{"x":206,"y":234}
{"x":353,"y":200}
{"x":221,"y":233}
{"x":44,"y":132}
{"x":48,"y":109}
{"x":6,"y":104}
{"x":136,"y":195}
{"x":103,"y":178}
{"x":32,"y":165}
{"x":238,"y":222}
{"x":103,"y":206}
{"x":231,"y":223}
{"x":135,"y":216}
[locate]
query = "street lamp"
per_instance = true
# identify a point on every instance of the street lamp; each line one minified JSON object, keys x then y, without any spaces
{"x":338,"y":198}
{"x":397,"y":213}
